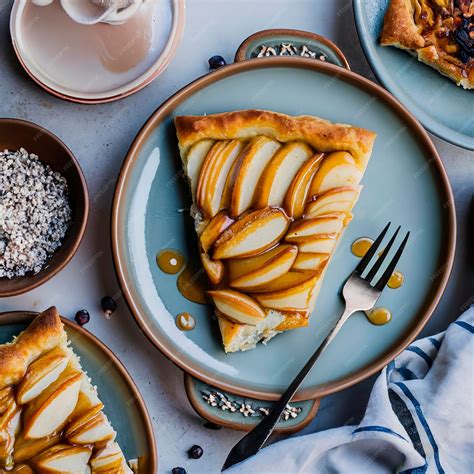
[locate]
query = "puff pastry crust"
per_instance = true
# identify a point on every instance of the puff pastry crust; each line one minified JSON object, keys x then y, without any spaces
{"x":321,"y":134}
{"x":428,"y":29}
{"x":250,"y":151}
{"x":41,"y":336}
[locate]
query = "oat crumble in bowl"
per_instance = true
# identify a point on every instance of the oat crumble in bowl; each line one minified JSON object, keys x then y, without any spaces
{"x":34,"y":213}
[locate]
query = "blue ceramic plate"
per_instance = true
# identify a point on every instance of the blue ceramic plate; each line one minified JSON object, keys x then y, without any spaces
{"x":405,"y":183}
{"x":116,"y":388}
{"x":442,"y":107}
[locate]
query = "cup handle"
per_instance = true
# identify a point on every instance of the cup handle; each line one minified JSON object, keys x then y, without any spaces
{"x":41,"y":3}
{"x":288,"y":42}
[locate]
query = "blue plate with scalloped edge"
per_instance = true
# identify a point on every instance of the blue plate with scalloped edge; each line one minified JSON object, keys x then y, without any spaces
{"x":444,"y":108}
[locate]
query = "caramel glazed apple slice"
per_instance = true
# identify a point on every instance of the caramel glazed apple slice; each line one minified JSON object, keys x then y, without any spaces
{"x":272,"y":195}
{"x":51,"y":419}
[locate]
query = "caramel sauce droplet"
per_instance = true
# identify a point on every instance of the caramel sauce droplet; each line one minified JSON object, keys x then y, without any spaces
{"x":192,"y":284}
{"x":361,"y":246}
{"x":396,"y":280}
{"x":185,"y":322}
{"x":170,"y":261}
{"x":379,"y":316}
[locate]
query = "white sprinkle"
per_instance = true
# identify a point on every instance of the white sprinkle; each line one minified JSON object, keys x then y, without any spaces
{"x":34,"y":213}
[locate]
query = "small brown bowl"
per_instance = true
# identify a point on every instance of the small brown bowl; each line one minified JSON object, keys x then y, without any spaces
{"x":15,"y":134}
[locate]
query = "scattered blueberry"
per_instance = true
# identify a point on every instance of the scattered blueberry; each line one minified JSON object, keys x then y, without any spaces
{"x":212,"y":426}
{"x":178,"y":470}
{"x":108,"y":305}
{"x":195,"y":452}
{"x":215,"y":62}
{"x":82,"y":317}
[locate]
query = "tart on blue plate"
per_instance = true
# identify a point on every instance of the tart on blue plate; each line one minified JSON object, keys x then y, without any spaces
{"x":272,"y":194}
{"x":51,"y":418}
{"x":439,"y":33}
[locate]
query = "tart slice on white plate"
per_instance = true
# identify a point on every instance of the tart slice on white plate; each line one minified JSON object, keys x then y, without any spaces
{"x":272,"y":194}
{"x":51,"y":418}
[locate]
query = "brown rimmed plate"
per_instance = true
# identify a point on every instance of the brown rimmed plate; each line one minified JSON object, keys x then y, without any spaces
{"x":16,"y":134}
{"x":95,"y":64}
{"x":123,"y":402}
{"x":405,"y":182}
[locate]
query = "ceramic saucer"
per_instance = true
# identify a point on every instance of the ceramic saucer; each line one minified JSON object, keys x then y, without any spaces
{"x":95,"y":63}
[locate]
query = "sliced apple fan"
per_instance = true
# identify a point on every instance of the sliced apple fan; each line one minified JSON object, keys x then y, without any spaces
{"x":271,"y":194}
{"x":51,"y":418}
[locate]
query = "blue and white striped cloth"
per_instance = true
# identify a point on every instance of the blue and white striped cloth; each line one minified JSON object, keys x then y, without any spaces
{"x":420,"y":418}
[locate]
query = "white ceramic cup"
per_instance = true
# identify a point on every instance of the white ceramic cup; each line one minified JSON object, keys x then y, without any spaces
{"x":87,"y":12}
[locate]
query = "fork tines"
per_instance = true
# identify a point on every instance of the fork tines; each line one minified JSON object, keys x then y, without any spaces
{"x":376,"y":267}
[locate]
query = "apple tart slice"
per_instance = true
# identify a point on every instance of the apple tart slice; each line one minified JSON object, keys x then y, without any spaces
{"x":272,"y":195}
{"x":51,"y":419}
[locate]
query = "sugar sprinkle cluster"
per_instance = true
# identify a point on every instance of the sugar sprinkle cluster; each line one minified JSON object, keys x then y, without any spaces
{"x":221,"y":401}
{"x":34,"y":213}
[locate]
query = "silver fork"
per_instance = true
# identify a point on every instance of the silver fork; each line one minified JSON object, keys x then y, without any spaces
{"x":359,"y":295}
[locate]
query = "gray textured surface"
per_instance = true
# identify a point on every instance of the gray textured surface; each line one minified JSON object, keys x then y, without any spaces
{"x":100,"y":136}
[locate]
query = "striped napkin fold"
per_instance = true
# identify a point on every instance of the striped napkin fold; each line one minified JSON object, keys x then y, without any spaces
{"x":419,"y":419}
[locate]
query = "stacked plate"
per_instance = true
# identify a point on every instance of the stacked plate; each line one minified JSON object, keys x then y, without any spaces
{"x":95,"y":63}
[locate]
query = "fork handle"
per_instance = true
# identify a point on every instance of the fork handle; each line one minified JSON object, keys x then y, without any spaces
{"x":252,"y":442}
